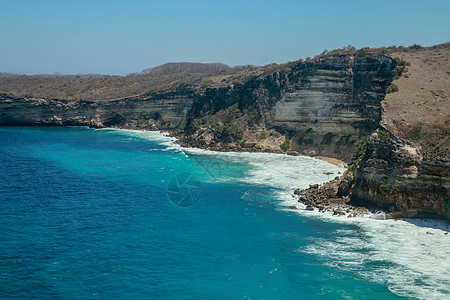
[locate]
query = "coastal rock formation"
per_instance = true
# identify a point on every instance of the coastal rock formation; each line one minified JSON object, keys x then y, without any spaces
{"x":404,"y":167}
{"x":396,"y":176}
{"x":323,"y":106}
{"x":319,"y":107}
{"x":165,"y":111}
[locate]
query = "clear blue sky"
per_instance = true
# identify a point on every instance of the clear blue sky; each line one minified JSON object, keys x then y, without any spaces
{"x":121,"y":37}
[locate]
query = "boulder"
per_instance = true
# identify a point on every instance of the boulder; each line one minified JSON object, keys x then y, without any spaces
{"x":249,"y":144}
{"x":292,"y":153}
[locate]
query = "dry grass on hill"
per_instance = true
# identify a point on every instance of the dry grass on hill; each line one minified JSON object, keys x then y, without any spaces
{"x":420,"y":109}
{"x":107,"y":88}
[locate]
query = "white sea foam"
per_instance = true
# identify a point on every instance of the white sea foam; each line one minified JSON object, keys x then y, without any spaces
{"x":283,"y":172}
{"x":161,"y":138}
{"x":409,"y":256}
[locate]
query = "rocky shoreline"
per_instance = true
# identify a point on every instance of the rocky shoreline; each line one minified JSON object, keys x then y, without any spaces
{"x":329,"y":107}
{"x":332,"y":197}
{"x":336,"y":197}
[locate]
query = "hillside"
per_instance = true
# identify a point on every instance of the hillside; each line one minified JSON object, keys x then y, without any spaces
{"x":420,"y":110}
{"x":187,"y":67}
{"x":165,"y":78}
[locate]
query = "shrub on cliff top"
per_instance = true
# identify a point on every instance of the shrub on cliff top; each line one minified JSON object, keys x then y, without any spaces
{"x":275,"y":133}
{"x":363,"y":51}
{"x":263,"y":135}
{"x":392,"y":88}
{"x":383,"y":134}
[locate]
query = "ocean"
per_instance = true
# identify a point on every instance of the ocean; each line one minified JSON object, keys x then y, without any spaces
{"x":123,"y":214}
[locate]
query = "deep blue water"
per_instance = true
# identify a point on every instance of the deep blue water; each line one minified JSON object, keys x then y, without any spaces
{"x":86,"y":214}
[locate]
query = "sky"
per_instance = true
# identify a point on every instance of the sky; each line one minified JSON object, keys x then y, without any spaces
{"x":123,"y":37}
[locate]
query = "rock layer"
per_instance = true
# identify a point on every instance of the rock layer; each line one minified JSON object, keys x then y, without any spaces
{"x":323,"y":105}
{"x":166,"y":111}
{"x":395,"y":175}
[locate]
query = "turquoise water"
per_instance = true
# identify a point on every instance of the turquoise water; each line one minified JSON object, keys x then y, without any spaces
{"x":86,"y":214}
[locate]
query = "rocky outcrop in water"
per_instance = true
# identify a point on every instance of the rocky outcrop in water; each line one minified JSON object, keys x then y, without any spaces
{"x":395,"y":175}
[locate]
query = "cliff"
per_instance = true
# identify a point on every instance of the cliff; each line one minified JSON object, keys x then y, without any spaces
{"x":395,"y":175}
{"x":324,"y":106}
{"x":403,"y":167}
{"x":406,"y":168}
{"x":165,"y":110}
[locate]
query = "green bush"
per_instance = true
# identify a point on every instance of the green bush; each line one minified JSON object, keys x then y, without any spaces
{"x":275,"y":133}
{"x":232,"y":114}
{"x":207,"y":82}
{"x":415,"y":134}
{"x":446,"y":205}
{"x":197,"y":123}
{"x":183,"y":125}
{"x":263,"y":135}
{"x":358,"y":153}
{"x":344,"y":140}
{"x":383,"y":186}
{"x":302,"y":140}
{"x":327,"y":138}
{"x":285,"y":145}
{"x":392,"y":88}
{"x":363,"y":51}
{"x":415,"y":47}
{"x":383,"y":134}
{"x":395,"y":188}
{"x":229,"y":133}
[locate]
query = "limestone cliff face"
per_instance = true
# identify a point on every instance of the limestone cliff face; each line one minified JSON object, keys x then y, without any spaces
{"x":333,"y":102}
{"x":323,"y":105}
{"x":394,"y":174}
{"x":164,"y":110}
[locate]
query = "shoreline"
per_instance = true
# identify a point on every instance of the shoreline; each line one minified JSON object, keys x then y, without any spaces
{"x":356,"y":236}
{"x":319,"y":197}
{"x":179,"y":141}
{"x":325,"y":197}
